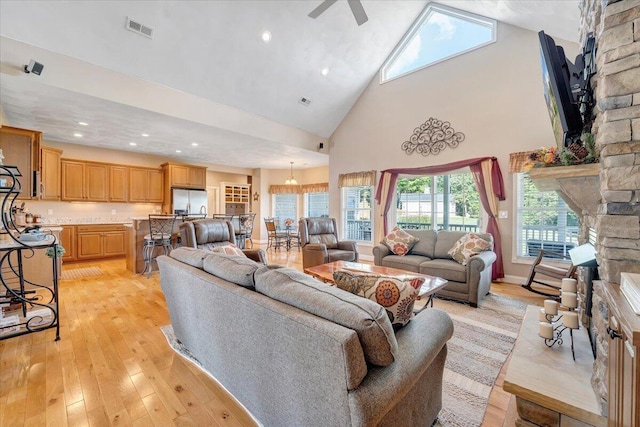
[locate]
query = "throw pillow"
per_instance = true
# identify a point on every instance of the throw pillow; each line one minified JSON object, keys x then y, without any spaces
{"x":468,"y":246}
{"x":395,"y":295}
{"x":229,"y":249}
{"x":399,"y":241}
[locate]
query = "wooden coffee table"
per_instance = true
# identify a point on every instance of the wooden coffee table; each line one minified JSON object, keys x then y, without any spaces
{"x":431,"y":284}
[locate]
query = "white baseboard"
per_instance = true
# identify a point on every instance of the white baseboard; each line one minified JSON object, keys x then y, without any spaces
{"x":516,"y":280}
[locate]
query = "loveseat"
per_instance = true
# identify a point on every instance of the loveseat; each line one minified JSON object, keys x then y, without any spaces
{"x":430,"y":256}
{"x":298,"y":352}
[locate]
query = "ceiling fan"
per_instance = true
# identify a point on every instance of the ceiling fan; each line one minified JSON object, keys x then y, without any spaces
{"x":355,"y":5}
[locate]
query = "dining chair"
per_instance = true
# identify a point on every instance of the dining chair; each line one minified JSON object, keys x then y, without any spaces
{"x":275,"y":237}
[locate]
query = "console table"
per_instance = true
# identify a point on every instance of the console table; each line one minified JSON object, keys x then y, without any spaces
{"x":550,"y":388}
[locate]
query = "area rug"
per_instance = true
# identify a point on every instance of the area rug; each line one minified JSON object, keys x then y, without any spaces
{"x":80,"y":273}
{"x":482,"y":340}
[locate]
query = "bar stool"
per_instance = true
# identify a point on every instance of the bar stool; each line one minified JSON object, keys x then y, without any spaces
{"x":160,"y":234}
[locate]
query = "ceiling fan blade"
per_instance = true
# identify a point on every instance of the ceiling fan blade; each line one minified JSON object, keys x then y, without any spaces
{"x":358,"y":11}
{"x":323,"y":6}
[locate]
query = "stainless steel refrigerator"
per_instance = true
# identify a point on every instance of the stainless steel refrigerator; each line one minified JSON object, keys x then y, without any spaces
{"x":188,"y":201}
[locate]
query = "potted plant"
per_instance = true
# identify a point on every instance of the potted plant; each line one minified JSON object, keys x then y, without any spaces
{"x":58,"y":248}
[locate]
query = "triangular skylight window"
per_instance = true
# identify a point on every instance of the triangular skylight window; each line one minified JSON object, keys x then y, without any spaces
{"x":439,"y":33}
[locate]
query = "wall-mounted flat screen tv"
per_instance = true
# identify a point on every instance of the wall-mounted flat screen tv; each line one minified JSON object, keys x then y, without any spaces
{"x":561,"y":82}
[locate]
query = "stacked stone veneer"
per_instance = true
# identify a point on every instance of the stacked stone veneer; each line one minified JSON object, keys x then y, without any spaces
{"x":616,"y":25}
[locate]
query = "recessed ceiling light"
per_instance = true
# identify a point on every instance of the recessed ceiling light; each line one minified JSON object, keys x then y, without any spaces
{"x":178,"y":151}
{"x":83,"y":124}
{"x":195,"y":144}
{"x":77,"y":135}
{"x":132,"y":143}
{"x":324,"y":71}
{"x":145,"y":135}
{"x":266,"y":36}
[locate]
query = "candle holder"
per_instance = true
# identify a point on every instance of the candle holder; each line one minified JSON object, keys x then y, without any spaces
{"x":551,"y":329}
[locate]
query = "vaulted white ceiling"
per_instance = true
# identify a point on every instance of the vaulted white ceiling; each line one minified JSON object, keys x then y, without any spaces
{"x":206,"y":76}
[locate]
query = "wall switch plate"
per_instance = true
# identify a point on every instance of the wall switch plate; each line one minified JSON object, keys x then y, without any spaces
{"x":113,"y":211}
{"x":49,"y":211}
{"x":503,"y":214}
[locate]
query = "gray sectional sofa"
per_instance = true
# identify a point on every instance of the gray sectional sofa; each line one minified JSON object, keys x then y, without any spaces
{"x":299,"y":352}
{"x":429,"y":255}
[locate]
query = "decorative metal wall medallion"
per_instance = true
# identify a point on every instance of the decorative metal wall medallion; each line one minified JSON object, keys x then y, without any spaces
{"x":432,"y":137}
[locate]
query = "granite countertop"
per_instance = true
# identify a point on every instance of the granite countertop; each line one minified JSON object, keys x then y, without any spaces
{"x":85,"y":220}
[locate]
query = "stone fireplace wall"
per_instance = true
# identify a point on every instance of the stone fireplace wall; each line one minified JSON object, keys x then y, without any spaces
{"x":616,"y":25}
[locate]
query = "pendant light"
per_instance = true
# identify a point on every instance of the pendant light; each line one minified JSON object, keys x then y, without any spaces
{"x":291,"y":180}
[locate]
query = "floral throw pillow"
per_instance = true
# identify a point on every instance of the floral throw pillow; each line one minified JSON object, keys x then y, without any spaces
{"x":230,"y":249}
{"x":395,"y":295}
{"x":399,"y":241}
{"x":468,"y":246}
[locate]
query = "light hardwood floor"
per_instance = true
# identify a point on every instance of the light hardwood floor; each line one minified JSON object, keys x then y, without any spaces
{"x":113,"y":365}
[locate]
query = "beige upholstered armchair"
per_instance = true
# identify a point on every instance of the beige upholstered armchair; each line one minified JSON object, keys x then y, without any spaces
{"x":208,"y":233}
{"x":320,"y":245}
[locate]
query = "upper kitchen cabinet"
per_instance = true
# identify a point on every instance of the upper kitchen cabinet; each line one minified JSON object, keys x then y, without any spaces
{"x":21,"y":148}
{"x":146,"y":185}
{"x":118,"y":183}
{"x":185,"y":176}
{"x":50,"y":173}
{"x":84,"y":181}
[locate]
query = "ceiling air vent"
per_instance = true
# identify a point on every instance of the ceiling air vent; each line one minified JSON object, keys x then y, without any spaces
{"x":305,"y":101}
{"x":139,"y":28}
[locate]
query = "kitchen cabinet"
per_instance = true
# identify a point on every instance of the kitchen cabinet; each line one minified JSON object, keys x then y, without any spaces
{"x":235,"y":197}
{"x":100,"y":241}
{"x":84,"y":181}
{"x":624,"y":372}
{"x":185,"y":176}
{"x":181,"y":176}
{"x":50,"y":173}
{"x":146,"y":185}
{"x":118,"y":183}
{"x":68,"y":241}
{"x":21,"y":148}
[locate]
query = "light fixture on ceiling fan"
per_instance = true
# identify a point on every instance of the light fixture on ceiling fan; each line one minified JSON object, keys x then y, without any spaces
{"x":355,"y":5}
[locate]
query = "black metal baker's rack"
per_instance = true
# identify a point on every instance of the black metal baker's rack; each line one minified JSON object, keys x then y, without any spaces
{"x":33,"y":307}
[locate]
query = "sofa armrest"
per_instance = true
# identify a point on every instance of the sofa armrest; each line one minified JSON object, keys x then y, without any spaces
{"x":348,"y":245}
{"x":314,"y":254}
{"x":258,"y":255}
{"x":419,"y":344}
{"x":481,"y":261}
{"x":379,"y":252}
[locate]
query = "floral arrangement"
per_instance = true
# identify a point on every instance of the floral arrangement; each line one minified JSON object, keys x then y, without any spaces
{"x":288,"y":222}
{"x":574,"y":154}
{"x":59,"y":251}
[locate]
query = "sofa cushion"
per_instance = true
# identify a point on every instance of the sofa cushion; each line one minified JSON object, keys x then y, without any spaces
{"x":192,"y":256}
{"x":399,"y":241}
{"x":426,"y":245}
{"x":368,"y":319}
{"x":232,"y":268}
{"x":468,"y":246}
{"x":395,"y":295}
{"x":407,"y":262}
{"x":229,"y":249}
{"x":448,"y":269}
{"x":446,"y":240}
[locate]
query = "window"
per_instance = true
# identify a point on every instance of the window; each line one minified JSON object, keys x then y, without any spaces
{"x":438,"y":34}
{"x":443,"y":202}
{"x":357,"y":213}
{"x":316,"y":205}
{"x":285,"y":206}
{"x":544,"y":221}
